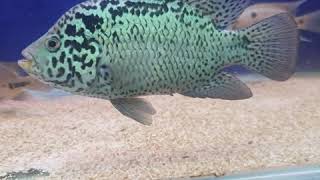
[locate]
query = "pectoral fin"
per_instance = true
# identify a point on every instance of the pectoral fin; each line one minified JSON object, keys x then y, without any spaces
{"x":223,"y":86}
{"x":135,"y":108}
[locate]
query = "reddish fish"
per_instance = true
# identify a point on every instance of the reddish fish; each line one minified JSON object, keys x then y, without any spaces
{"x":258,"y":12}
{"x":309,"y":22}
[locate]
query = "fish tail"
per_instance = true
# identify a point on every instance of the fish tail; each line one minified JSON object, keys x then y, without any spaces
{"x":272,"y":46}
{"x":309,"y":22}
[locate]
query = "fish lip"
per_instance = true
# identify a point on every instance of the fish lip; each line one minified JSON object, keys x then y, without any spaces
{"x":27,"y":61}
{"x":25,"y":65}
{"x":22,"y":61}
{"x":27,"y":55}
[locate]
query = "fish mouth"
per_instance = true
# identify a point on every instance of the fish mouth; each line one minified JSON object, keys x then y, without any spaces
{"x":26,"y":63}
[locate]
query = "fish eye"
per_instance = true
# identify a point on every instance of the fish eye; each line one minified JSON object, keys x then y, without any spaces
{"x":53,"y":43}
{"x":254,"y":15}
{"x":301,"y":21}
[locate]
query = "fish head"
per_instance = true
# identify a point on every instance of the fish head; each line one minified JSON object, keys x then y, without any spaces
{"x":69,"y":56}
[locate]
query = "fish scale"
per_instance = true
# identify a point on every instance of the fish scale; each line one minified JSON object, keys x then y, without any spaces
{"x":174,"y":66}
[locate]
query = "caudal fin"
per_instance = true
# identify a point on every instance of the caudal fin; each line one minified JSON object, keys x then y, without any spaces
{"x":309,"y":22}
{"x":272,"y":47}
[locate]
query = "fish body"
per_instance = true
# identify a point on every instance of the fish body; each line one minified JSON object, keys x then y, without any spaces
{"x":155,"y":52}
{"x":119,"y":50}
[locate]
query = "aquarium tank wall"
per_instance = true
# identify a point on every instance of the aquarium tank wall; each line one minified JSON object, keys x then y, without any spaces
{"x":247,"y":112}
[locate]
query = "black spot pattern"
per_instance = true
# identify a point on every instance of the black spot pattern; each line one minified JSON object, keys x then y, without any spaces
{"x":91,"y":22}
{"x":61,"y":72}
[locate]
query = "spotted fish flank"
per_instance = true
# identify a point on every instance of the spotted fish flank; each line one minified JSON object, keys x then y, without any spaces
{"x":118,"y":50}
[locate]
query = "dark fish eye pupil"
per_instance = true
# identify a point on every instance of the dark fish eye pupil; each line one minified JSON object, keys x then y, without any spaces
{"x":52,"y":43}
{"x":301,"y":21}
{"x":254,"y":15}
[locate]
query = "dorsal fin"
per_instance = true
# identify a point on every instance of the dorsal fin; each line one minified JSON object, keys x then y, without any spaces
{"x":222,"y":12}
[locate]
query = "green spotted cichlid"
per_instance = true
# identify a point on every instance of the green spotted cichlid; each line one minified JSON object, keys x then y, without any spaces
{"x":122,"y":49}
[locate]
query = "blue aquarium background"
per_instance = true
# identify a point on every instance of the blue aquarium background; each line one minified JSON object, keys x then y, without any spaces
{"x":22,"y":22}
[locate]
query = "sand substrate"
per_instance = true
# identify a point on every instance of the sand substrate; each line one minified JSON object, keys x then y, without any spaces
{"x":78,"y":137}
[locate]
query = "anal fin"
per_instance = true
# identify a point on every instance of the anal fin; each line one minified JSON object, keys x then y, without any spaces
{"x":135,"y":108}
{"x":223,"y":86}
